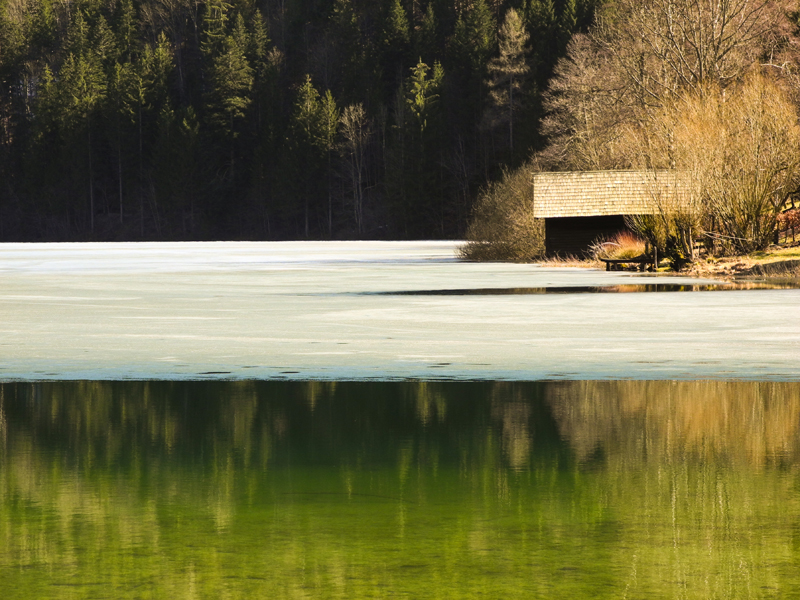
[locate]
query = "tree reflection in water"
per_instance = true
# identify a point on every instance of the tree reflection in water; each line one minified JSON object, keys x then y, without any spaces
{"x":662,"y":489}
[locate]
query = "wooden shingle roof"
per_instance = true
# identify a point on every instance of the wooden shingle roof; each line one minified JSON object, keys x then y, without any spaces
{"x":602,"y":193}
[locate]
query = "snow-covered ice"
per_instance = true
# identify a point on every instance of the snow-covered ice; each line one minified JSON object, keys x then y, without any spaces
{"x":327,"y":310}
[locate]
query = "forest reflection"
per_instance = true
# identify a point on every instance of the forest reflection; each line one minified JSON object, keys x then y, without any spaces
{"x":649,"y":421}
{"x":668,"y":489}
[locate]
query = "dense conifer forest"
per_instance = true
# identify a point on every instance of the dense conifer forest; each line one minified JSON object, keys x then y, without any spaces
{"x":267,"y":119}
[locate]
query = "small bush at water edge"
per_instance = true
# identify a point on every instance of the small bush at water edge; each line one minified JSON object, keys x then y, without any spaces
{"x":502,"y":226}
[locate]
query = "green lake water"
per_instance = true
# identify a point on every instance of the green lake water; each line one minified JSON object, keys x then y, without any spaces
{"x":615,"y":489}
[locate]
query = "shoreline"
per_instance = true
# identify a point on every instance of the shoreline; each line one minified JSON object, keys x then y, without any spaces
{"x":746,"y":268}
{"x":730,"y":268}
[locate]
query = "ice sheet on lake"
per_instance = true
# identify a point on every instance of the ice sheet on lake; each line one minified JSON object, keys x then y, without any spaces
{"x":325,"y":310}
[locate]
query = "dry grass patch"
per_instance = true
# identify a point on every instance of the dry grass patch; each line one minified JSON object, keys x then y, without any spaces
{"x":623,"y":245}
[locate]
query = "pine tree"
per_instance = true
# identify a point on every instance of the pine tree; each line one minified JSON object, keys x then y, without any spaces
{"x":120,"y":112}
{"x":394,"y":43}
{"x":330,"y":116}
{"x":12,"y":51}
{"x":104,"y":43}
{"x":425,"y":42}
{"x":422,"y":161}
{"x":567,"y":23}
{"x":258,"y":52}
{"x":422,"y":96}
{"x":151,"y":90}
{"x":176,"y":168}
{"x":507,"y":70}
{"x":126,"y":23}
{"x":231,"y":79}
{"x":308,"y":139}
{"x":307,"y":117}
{"x":543,"y":25}
{"x":346,"y":31}
{"x":266,"y":119}
{"x":470,"y":48}
{"x":474,"y":36}
{"x":80,"y":89}
{"x":216,"y":26}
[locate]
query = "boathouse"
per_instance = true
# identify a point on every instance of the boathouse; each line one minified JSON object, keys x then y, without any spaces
{"x":581,"y":207}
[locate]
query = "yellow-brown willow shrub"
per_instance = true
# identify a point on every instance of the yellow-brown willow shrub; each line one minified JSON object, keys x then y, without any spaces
{"x":502,"y":225}
{"x":738,"y":146}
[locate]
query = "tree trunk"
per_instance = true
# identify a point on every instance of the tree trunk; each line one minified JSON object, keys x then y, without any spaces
{"x":330,"y":200}
{"x":119,"y":171}
{"x":511,"y":117}
{"x":141,"y":174}
{"x":305,"y":212}
{"x":232,"y":147}
{"x":91,"y":179}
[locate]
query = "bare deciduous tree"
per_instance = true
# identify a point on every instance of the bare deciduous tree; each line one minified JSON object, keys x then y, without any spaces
{"x":666,"y":46}
{"x":587,"y":110}
{"x":642,"y":55}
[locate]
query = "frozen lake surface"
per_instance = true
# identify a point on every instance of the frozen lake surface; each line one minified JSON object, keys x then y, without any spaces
{"x":368,"y":310}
